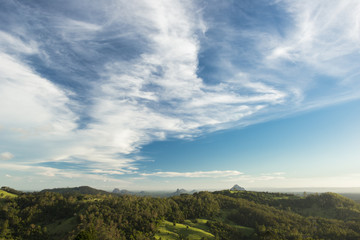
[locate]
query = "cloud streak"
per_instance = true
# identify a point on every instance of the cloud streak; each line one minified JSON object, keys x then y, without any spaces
{"x":6,"y":156}
{"x":198,"y":174}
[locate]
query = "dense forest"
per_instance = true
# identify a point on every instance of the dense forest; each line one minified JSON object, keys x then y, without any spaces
{"x":224,"y":214}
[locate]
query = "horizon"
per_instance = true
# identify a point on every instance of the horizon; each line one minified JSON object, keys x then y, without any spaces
{"x":158,"y":94}
{"x":299,"y":190}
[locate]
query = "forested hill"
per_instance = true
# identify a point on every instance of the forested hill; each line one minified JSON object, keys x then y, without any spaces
{"x":203,"y":215}
{"x":76,"y":190}
{"x":11,"y":190}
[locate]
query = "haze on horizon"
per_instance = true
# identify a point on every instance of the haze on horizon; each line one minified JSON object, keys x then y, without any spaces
{"x":159,"y":95}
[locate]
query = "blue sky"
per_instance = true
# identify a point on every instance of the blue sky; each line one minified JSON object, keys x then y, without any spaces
{"x":191,"y":94}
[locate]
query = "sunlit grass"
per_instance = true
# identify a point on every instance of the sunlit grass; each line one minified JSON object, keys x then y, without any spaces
{"x":4,"y":194}
{"x":169,"y":231}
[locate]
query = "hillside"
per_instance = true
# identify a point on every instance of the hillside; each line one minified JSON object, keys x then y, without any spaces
{"x":4,"y":194}
{"x":11,"y":190}
{"x":188,"y":229}
{"x":76,"y":190}
{"x":204,"y":215}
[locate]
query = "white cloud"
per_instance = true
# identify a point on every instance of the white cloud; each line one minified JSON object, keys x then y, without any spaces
{"x":107,"y":172}
{"x":31,"y":103}
{"x":14,"y":44}
{"x":159,"y":94}
{"x":324,"y":36}
{"x":150,"y":97}
{"x":197,"y":174}
{"x":59,"y":174}
{"x":6,"y":156}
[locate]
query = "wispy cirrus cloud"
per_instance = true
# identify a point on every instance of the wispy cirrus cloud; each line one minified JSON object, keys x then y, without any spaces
{"x":159,"y":93}
{"x":329,"y":27}
{"x":322,"y":42}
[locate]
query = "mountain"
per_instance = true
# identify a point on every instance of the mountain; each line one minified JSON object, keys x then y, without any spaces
{"x":237,"y":188}
{"x":116,"y":191}
{"x":78,"y":190}
{"x":179,"y":192}
{"x":182,"y":191}
{"x":123,"y":191}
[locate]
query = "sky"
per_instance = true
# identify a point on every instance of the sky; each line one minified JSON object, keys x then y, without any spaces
{"x":159,"y":95}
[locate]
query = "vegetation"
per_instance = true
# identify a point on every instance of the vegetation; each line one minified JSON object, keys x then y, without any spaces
{"x":169,"y":230}
{"x":11,"y":190}
{"x":204,"y":215}
{"x":76,"y":190}
{"x":4,"y":194}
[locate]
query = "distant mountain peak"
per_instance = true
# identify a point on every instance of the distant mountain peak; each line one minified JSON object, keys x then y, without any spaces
{"x":237,"y":188}
{"x":116,"y":190}
{"x":123,"y":191}
{"x":181,"y":190}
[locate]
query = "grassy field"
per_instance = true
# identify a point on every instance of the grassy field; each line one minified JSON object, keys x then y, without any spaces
{"x":4,"y":194}
{"x":198,"y":223}
{"x":190,"y":230}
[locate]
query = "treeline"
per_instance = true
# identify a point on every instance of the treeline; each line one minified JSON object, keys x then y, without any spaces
{"x":49,"y":215}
